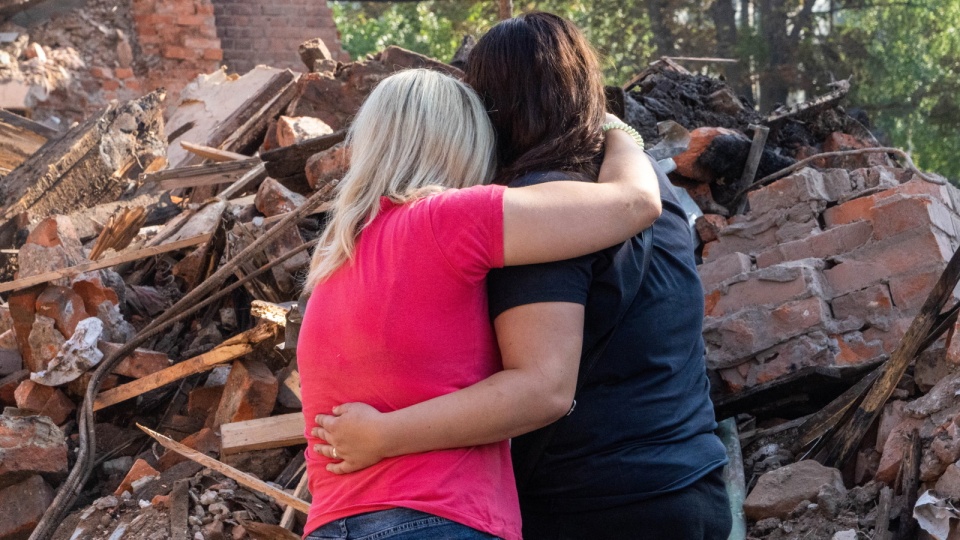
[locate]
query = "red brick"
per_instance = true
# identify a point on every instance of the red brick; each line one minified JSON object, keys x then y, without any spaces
{"x":205,"y":9}
{"x":110,"y":85}
{"x":250,"y":393}
{"x":213,"y":54}
{"x":854,"y":350}
{"x":740,"y":337}
{"x":52,"y":232}
{"x":894,"y":449}
{"x":93,"y":291}
{"x":203,"y":401}
{"x":175,"y":52}
{"x":757,"y":291}
{"x":140,"y":470}
{"x":101,"y":72}
{"x":206,"y":441}
{"x":45,"y":343}
{"x":64,"y":306}
{"x":910,"y":291}
{"x":30,"y":445}
{"x":802,"y":187}
{"x":23,"y":310}
{"x":326,"y":166}
{"x":839,"y":141}
{"x":139,"y":363}
{"x":201,"y":43}
{"x":274,"y":199}
{"x":856,"y":210}
{"x":133,"y":85}
{"x":44,"y":400}
{"x":23,"y":506}
{"x":882,"y":261}
{"x":77,"y":388}
{"x":829,"y":243}
{"x":709,"y":225}
{"x":192,"y":20}
{"x":8,"y":386}
{"x":867,"y":305}
{"x":715,"y":272}
{"x":124,"y":73}
{"x":896,"y":215}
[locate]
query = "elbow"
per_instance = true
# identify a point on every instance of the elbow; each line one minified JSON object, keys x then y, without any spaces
{"x":557,"y":404}
{"x":646,"y":210}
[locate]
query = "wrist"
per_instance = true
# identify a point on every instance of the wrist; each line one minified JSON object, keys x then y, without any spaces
{"x":625,"y":128}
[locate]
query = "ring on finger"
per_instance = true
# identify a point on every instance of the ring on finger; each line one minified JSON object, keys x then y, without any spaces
{"x":335,"y":456}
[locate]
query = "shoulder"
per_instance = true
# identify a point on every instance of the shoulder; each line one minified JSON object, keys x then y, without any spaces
{"x":541,"y":177}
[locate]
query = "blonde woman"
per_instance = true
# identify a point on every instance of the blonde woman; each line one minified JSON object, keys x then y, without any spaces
{"x":398,"y":310}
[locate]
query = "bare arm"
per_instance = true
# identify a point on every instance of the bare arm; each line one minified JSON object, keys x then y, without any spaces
{"x":540,"y":344}
{"x":561,"y":220}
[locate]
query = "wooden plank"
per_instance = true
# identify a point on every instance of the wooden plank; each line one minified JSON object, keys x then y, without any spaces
{"x":202,"y":170}
{"x":231,"y":349}
{"x":20,"y":138}
{"x":253,"y":176}
{"x":211,"y":153}
{"x":289,"y":518}
{"x":105,"y":263}
{"x":241,"y":477}
{"x":262,"y":433}
{"x":253,"y":130}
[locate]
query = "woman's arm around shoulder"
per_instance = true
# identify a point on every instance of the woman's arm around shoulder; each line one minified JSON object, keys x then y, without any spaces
{"x":566,"y":219}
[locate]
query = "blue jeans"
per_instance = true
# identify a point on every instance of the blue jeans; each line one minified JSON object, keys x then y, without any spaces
{"x":396,"y":524}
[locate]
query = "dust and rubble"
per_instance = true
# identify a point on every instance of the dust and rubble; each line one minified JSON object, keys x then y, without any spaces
{"x":153,"y":254}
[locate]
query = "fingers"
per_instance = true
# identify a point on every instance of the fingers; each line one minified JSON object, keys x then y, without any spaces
{"x":342,"y":468}
{"x":321,"y":434}
{"x":325,"y":450}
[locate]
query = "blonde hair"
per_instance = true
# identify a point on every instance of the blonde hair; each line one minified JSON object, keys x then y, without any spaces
{"x":417,"y":133}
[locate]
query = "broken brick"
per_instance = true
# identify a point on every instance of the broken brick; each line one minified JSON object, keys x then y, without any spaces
{"x":871,"y":305}
{"x":719,"y":270}
{"x":44,"y":400}
{"x":293,"y":130}
{"x":203,"y":401}
{"x":76,"y":356}
{"x":9,"y":384}
{"x":778,"y":492}
{"x":23,"y":506}
{"x":707,"y":225}
{"x":250,"y":393}
{"x":274,"y":199}
{"x":93,"y":291}
{"x":135,"y":476}
{"x":64,"y":306}
{"x":838,"y":142}
{"x":324,"y":167}
{"x":895,"y":448}
{"x":30,"y":445}
{"x":45,"y":342}
{"x":23,"y":309}
{"x":829,"y":243}
{"x":139,"y":363}
{"x":772,"y":286}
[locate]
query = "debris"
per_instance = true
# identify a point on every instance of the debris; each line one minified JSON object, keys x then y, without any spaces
{"x":77,"y":355}
{"x":778,"y":492}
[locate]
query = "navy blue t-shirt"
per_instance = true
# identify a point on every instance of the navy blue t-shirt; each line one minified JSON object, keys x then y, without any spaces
{"x":644,"y":423}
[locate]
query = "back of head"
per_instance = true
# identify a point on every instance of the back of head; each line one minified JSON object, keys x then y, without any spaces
{"x":540,"y":81}
{"x":419,"y":131}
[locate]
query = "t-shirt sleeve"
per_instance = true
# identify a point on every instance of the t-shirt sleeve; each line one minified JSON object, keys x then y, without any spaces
{"x":562,"y":281}
{"x":468,"y":227}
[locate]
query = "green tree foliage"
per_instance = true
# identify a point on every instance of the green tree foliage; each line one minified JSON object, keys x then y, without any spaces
{"x":903,"y":57}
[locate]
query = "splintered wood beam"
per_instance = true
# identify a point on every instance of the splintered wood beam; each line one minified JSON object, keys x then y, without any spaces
{"x":20,"y":138}
{"x":211,"y":153}
{"x":268,"y":311}
{"x":71,"y":271}
{"x":202,"y":175}
{"x":262,"y":433}
{"x":841,"y":447}
{"x":240,"y":345}
{"x":250,"y":178}
{"x":242,"y":478}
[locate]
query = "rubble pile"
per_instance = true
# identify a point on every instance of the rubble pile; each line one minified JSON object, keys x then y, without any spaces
{"x":154,"y":254}
{"x":110,"y":230}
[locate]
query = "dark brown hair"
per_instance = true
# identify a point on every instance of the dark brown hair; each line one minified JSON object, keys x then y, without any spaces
{"x":540,"y":81}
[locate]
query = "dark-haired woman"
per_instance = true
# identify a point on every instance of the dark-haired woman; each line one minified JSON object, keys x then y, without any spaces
{"x":637,"y":456}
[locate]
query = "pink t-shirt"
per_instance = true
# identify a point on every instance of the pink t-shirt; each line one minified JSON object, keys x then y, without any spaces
{"x":402,"y":323}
